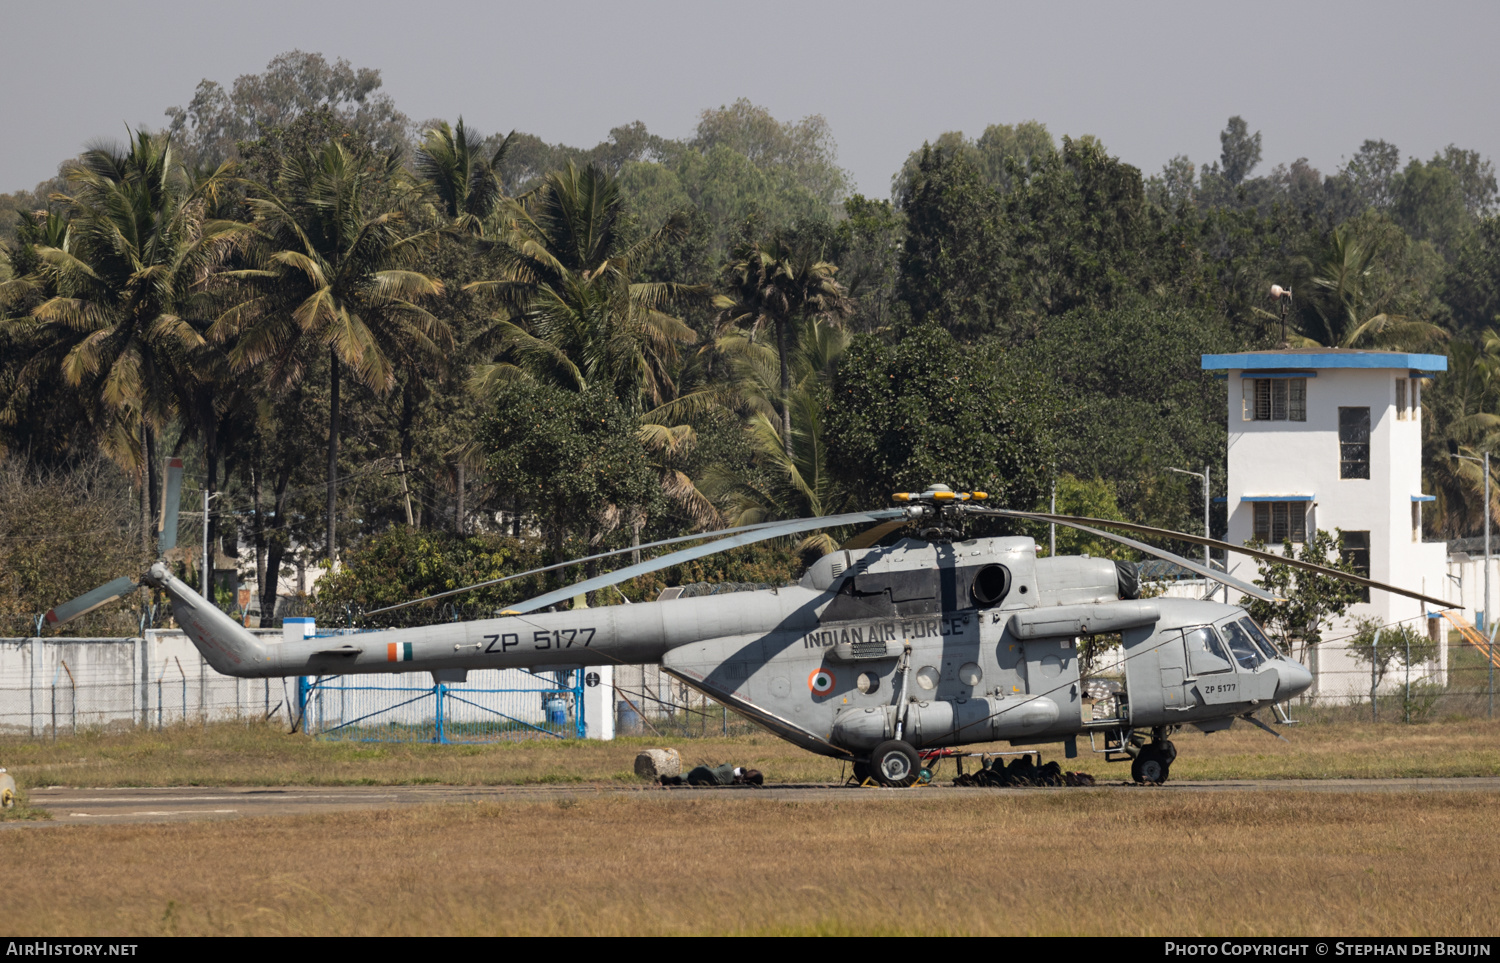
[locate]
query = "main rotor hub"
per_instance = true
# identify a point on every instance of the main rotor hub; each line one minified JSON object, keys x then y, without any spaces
{"x":939,"y":494}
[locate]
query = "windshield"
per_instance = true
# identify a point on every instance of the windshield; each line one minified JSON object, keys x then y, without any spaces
{"x":1246,"y":652}
{"x":1265,"y":644}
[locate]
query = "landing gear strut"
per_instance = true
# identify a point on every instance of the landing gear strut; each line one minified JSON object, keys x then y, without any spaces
{"x":1153,"y":763}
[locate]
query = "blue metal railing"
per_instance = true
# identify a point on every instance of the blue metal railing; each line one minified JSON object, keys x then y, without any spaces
{"x":494,"y":705}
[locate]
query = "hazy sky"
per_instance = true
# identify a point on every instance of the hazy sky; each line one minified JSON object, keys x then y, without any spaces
{"x":1151,"y":80}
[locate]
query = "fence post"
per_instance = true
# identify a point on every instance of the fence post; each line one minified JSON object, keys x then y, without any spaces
{"x":302,"y":702}
{"x":183,"y":675}
{"x":73,"y":697}
{"x":31,"y":689}
{"x":1492,"y":672}
{"x":1408,"y":679}
{"x":1374,"y":679}
{"x":580,"y":728}
{"x":440,"y":690}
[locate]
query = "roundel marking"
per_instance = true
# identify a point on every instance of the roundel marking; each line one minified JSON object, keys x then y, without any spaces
{"x":820,"y":682}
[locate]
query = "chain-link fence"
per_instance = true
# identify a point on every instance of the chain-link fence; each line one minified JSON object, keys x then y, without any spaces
{"x":490,"y":706}
{"x":60,"y":685}
{"x":648,"y":701}
{"x":54,"y":685}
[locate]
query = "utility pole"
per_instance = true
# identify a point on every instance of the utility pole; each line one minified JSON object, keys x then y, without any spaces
{"x":207,"y":562}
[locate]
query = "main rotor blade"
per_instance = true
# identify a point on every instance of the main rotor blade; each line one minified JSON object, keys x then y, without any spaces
{"x":1073,"y":520}
{"x":870,"y":536}
{"x":88,"y":601}
{"x":171,"y":499}
{"x":763,"y":533}
{"x":576,"y":561}
{"x":1252,"y":590}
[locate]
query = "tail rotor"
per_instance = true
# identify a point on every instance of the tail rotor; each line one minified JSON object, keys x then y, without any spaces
{"x":119,"y":588}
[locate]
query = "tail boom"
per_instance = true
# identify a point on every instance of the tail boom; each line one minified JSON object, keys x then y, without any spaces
{"x":615,"y":635}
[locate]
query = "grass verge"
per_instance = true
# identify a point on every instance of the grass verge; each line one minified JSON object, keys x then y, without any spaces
{"x":238,"y":755}
{"x":1072,"y":862}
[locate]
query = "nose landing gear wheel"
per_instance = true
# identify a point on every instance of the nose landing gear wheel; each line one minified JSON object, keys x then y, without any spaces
{"x":895,"y":763}
{"x":1153,"y":764}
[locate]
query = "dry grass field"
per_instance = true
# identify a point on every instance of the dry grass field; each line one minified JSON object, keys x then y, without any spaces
{"x":1145,"y":861}
{"x":236,"y":755}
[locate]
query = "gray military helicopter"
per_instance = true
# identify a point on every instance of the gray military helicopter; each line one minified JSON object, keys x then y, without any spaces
{"x":879,"y":653}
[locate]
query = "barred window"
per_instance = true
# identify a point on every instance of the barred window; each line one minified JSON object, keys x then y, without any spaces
{"x":1354,"y":548}
{"x":1354,"y":442}
{"x":1277,"y":522}
{"x":1276,"y":399}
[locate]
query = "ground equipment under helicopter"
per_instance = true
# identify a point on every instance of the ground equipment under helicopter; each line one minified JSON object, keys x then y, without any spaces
{"x":877,"y":653}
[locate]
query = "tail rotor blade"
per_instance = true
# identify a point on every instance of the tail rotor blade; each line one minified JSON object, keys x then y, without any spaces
{"x":89,"y":601}
{"x":171,"y":498}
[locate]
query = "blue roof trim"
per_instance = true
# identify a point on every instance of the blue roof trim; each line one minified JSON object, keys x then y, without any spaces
{"x":1260,"y":375}
{"x":1276,"y":498}
{"x":1321,"y":360}
{"x":1424,"y":498}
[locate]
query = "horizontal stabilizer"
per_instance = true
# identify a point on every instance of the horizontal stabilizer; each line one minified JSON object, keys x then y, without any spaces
{"x":88,"y":601}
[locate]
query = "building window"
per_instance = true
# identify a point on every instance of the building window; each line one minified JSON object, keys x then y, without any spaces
{"x":1275,"y":399}
{"x":1408,"y":399}
{"x":1401,"y":399}
{"x":1277,"y":522}
{"x":1354,"y":442}
{"x":1354,"y":550}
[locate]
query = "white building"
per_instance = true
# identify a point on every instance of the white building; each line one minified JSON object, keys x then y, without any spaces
{"x":1332,"y":438}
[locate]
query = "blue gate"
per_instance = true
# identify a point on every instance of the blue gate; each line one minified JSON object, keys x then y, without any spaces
{"x":493,"y":705}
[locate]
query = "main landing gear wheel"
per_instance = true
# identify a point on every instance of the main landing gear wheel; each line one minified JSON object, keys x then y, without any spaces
{"x":895,"y":763}
{"x":1153,"y":764}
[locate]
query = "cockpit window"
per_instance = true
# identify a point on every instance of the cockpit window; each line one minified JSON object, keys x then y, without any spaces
{"x":1246,"y":652}
{"x":1266,"y":645}
{"x":1206,"y":653}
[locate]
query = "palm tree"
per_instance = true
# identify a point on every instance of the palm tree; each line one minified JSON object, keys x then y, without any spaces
{"x":464,"y":183}
{"x":335,"y":272}
{"x":790,"y":477}
{"x":775,"y":284}
{"x":1460,"y":409}
{"x":121,"y":282}
{"x":572,"y":313}
{"x":1351,"y":309}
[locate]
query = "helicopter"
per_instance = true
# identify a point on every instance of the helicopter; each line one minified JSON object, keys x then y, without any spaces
{"x":880,"y":653}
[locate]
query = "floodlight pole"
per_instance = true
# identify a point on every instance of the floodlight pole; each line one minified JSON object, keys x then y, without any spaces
{"x":1207,"y":556}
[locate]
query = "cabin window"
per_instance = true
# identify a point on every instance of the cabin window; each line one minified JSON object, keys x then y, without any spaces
{"x":1205,"y":652}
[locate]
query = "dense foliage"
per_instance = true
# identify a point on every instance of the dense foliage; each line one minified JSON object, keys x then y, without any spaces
{"x":450,"y":353}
